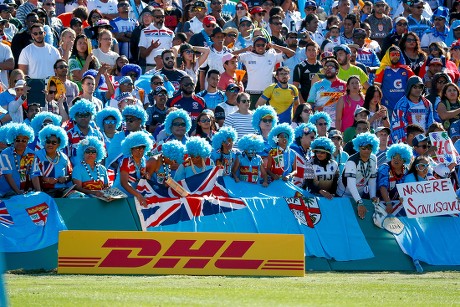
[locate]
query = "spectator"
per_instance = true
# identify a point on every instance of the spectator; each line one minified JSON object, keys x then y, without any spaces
{"x":395,"y":35}
{"x":416,"y":22}
{"x":23,"y":39}
{"x":198,"y":161}
{"x":108,"y":8}
{"x":383,"y":133}
{"x":439,"y":30}
{"x":449,"y":108}
{"x":229,"y":106}
{"x":346,"y":37}
{"x":195,"y":25}
{"x":88,"y":85}
{"x":67,"y":38}
{"x":229,"y":76}
{"x":348,"y":103}
{"x":212,"y":96}
{"x":26,"y":8}
{"x":378,"y":114}
{"x":281,"y":158}
{"x":104,"y":54}
{"x":339,"y":155}
{"x":191,"y":63}
{"x":123,"y":27}
{"x":157,"y":111}
{"x":413,"y":54}
{"x":9,"y":28}
{"x":81,"y":59}
{"x":301,"y":115}
{"x":71,"y":88}
{"x":305,"y":70}
{"x":172,"y":74}
{"x":380,"y":23}
{"x":108,"y":121}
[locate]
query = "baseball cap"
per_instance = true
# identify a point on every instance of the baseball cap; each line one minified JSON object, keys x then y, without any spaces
{"x":257,"y":9}
{"x":228,"y":57}
{"x":123,"y":96}
{"x":416,"y":2}
{"x":119,"y":4}
{"x":360,"y":110}
{"x":4,"y":7}
{"x":310,"y":3}
{"x":418,"y":139}
{"x":242,"y":4}
{"x":442,"y":170}
{"x":442,"y":12}
{"x":355,"y":46}
{"x":20,"y":84}
{"x":244,"y":18}
{"x":437,"y":61}
{"x":199,"y":4}
{"x":399,"y":18}
{"x":327,"y":54}
{"x":258,"y":38}
{"x":335,"y":133}
{"x":10,"y":3}
{"x":232,"y":86}
{"x":125,"y":79}
{"x":159,"y":89}
{"x":335,"y":4}
{"x":209,"y":20}
{"x":103,"y":23}
{"x":231,"y":30}
{"x":342,"y":47}
{"x":359,"y":32}
{"x":75,"y":21}
{"x":381,"y":128}
{"x":217,"y":30}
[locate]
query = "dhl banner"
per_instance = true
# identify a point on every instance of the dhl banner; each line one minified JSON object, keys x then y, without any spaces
{"x":124,"y":252}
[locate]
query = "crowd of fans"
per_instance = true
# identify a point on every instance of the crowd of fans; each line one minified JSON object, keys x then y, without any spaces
{"x":337,"y":97}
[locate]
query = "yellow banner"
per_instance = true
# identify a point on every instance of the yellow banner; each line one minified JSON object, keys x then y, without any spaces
{"x":125,"y":252}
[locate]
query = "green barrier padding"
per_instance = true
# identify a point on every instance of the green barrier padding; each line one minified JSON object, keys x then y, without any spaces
{"x":45,"y":259}
{"x":317,"y":264}
{"x":132,"y":207}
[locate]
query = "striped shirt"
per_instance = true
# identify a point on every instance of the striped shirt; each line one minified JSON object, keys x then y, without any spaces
{"x":241,"y":123}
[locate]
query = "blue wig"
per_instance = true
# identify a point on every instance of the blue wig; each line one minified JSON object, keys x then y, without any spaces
{"x":173,"y":116}
{"x":106,"y":112}
{"x":37,"y":121}
{"x":222,"y":136}
{"x":57,"y":131}
{"x":281,"y":128}
{"x":5,"y":132}
{"x":251,"y":142}
{"x":260,"y":113}
{"x":364,"y":139}
{"x":20,"y":130}
{"x":135,"y":139}
{"x":94,"y":142}
{"x":405,"y":151}
{"x":198,"y":147}
{"x":137,"y":112}
{"x":129,"y":68}
{"x":305,"y":128}
{"x":314,"y":118}
{"x":82,"y":106}
{"x":93,"y":73}
{"x":173,"y":150}
{"x":323,"y":143}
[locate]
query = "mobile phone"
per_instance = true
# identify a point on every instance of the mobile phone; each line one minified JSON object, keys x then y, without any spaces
{"x":36,"y":92}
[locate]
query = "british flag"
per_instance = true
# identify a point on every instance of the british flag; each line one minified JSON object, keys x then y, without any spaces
{"x":207,"y":196}
{"x":5,"y":217}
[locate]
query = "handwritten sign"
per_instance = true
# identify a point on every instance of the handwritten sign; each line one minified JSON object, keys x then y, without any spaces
{"x":428,"y":198}
{"x":445,"y":152}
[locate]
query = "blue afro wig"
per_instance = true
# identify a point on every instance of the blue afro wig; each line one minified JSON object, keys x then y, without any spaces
{"x":314,"y":118}
{"x":305,"y":128}
{"x":20,"y":130}
{"x":134,"y":139}
{"x":198,"y":147}
{"x":106,"y":112}
{"x":93,"y":73}
{"x":82,"y":106}
{"x":260,"y":113}
{"x":4,"y":132}
{"x":405,"y":151}
{"x":251,"y":142}
{"x":173,"y":116}
{"x":57,"y":131}
{"x":37,"y":121}
{"x":281,"y":128}
{"x":94,"y":142}
{"x":129,"y":68}
{"x":364,"y":139}
{"x":222,"y":136}
{"x":137,"y":112}
{"x":323,"y":143}
{"x":173,"y":150}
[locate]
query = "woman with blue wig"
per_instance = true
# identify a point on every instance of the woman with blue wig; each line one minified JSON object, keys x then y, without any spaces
{"x":359,"y":179}
{"x":322,"y":121}
{"x":248,"y":165}
{"x":41,"y":120}
{"x":177,"y":125}
{"x":304,"y":134}
{"x":393,"y":172}
{"x":19,"y":172}
{"x":89,"y":175}
{"x":198,"y":161}
{"x":322,"y":171}
{"x":108,"y":121}
{"x":53,"y":165}
{"x":281,"y":158}
{"x":132,"y":166}
{"x":223,"y":153}
{"x":264,"y":119}
{"x":164,"y":165}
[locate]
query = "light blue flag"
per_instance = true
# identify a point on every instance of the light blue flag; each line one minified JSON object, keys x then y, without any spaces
{"x":29,"y":222}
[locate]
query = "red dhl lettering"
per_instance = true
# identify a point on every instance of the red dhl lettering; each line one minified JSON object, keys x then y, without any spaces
{"x":133,"y":253}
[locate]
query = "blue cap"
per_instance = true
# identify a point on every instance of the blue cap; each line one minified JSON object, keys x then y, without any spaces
{"x":342,"y":47}
{"x":125,"y":79}
{"x":310,"y":3}
{"x":418,"y":139}
{"x":441,"y":11}
{"x":159,"y":89}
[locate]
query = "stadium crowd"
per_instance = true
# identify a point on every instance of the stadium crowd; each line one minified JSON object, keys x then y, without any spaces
{"x":341,"y":101}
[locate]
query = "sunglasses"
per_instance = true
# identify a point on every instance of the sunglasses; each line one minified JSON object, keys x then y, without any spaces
{"x":128,"y":83}
{"x":110,"y":122}
{"x":52,"y":142}
{"x":421,"y":166}
{"x":50,"y":4}
{"x":233,"y":35}
{"x":62,"y":66}
{"x":205,"y":120}
{"x":123,"y":4}
{"x":422,"y":146}
{"x":434,"y":49}
{"x":395,"y":53}
{"x":37,"y":33}
{"x":189,"y":51}
{"x":402,"y":24}
{"x":234,"y":90}
{"x":21,"y":141}
{"x":244,"y":101}
{"x":188,"y":84}
{"x":142,"y":147}
{"x":169,"y":58}
{"x":438,"y":19}
{"x":411,"y":40}
{"x":442,"y":81}
{"x":212,"y":25}
{"x":277,"y":23}
{"x":321,"y":124}
{"x":178,"y":124}
{"x":267,"y":120}
{"x":83,"y":115}
{"x":198,"y":9}
{"x":52,"y":92}
{"x":307,"y":111}
{"x":90,"y":152}
{"x":380,"y":5}
{"x":311,"y":8}
{"x":367,"y":147}
{"x":240,"y":8}
{"x":157,"y":83}
{"x":131,"y":120}
{"x":159,"y":16}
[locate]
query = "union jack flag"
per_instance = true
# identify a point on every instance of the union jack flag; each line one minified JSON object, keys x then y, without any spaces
{"x":207,"y":196}
{"x":5,"y":217}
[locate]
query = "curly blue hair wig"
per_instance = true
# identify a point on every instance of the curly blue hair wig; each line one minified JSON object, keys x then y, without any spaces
{"x":174,"y":150}
{"x":314,"y":118}
{"x":93,"y":73}
{"x":281,"y":128}
{"x":57,"y":131}
{"x":131,"y":68}
{"x":82,"y":106}
{"x":137,"y":112}
{"x":37,"y":122}
{"x":5,"y":132}
{"x":223,"y":135}
{"x":260,"y":113}
{"x":404,"y":150}
{"x":198,"y":147}
{"x":94,"y":142}
{"x":323,"y":143}
{"x":173,"y":116}
{"x":106,"y":112}
{"x":251,"y":142}
{"x":135,"y":139}
{"x":364,"y":139}
{"x":305,"y":128}
{"x":20,"y":130}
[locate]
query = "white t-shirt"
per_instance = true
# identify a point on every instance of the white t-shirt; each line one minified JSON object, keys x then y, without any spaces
{"x":260,"y":68}
{"x":195,"y":25}
{"x":152,"y":33}
{"x":214,"y":59}
{"x":106,"y":8}
{"x":5,"y":54}
{"x":107,"y":58}
{"x":40,"y":60}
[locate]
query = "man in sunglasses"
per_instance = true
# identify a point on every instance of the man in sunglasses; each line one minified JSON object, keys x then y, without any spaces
{"x":439,"y":30}
{"x":195,"y":25}
{"x":37,"y":59}
{"x":420,"y":145}
{"x":9,"y":29}
{"x":216,"y":11}
{"x":157,"y":112}
{"x":61,"y":71}
{"x":23,"y":38}
{"x":413,"y":108}
{"x":55,"y":103}
{"x":380,"y":23}
{"x":123,"y":27}
{"x":416,"y":22}
{"x":203,"y":38}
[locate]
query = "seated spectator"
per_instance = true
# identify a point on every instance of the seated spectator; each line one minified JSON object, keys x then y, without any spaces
{"x":199,"y":152}
{"x":281,"y":158}
{"x":163,"y":166}
{"x":248,"y":165}
{"x":223,"y":153}
{"x":108,"y":121}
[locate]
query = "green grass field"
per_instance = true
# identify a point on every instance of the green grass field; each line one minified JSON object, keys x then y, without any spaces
{"x":390,"y":289}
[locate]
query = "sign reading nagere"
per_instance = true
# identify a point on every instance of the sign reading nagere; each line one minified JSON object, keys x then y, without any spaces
{"x":123,"y":252}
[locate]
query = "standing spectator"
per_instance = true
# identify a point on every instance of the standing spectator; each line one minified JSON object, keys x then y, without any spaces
{"x":383,"y":133}
{"x":239,"y":120}
{"x":145,"y":19}
{"x":349,"y":23}
{"x":203,"y":37}
{"x":343,"y":55}
{"x":123,"y":27}
{"x":378,"y":114}
{"x":104,"y":54}
{"x":23,"y":39}
{"x":241,"y":11}
{"x":108,"y":8}
{"x":229,"y":106}
{"x":348,"y":103}
{"x":66,"y":40}
{"x":299,"y":53}
{"x":365,"y":55}
{"x":6,"y":64}
{"x":230,"y":63}
{"x":276,"y":23}
{"x":81,"y":60}
{"x":380,"y":23}
{"x":88,"y":85}
{"x":413,"y":108}
{"x":395,"y":35}
{"x":26,"y":8}
{"x":216,"y":11}
{"x":413,"y":54}
{"x":418,"y":23}
{"x":195,"y":25}
{"x":438,"y":32}
{"x":37,"y":59}
{"x":9,"y":28}
{"x":157,"y":111}
{"x":190,"y":61}
{"x":305,"y":70}
{"x":211,"y":95}
{"x":172,"y":74}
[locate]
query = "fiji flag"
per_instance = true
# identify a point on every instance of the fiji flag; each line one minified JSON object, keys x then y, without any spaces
{"x":29,"y":222}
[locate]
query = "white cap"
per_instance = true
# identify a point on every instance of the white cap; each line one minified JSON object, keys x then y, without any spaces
{"x":20,"y":84}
